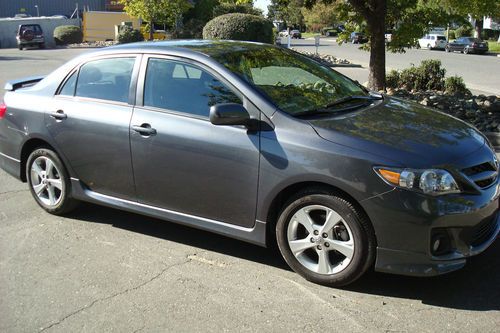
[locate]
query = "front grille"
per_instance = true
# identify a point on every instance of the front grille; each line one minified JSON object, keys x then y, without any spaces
{"x":483,"y":175}
{"x":483,"y":231}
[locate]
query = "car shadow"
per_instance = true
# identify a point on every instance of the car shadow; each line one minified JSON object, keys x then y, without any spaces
{"x":179,"y":234}
{"x":473,"y":288}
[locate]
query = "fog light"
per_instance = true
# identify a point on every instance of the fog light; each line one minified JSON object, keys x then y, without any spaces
{"x":440,"y":243}
{"x":436,"y":244}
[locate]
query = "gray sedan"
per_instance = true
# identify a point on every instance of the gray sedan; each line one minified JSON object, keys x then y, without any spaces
{"x":261,"y":144}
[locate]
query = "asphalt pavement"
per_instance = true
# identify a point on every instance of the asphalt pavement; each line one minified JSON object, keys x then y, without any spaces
{"x":481,"y":73}
{"x":100,"y":269}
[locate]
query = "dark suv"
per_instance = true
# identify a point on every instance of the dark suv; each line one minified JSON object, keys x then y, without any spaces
{"x":30,"y":35}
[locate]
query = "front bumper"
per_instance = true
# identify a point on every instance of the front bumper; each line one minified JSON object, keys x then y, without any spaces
{"x":405,"y":223}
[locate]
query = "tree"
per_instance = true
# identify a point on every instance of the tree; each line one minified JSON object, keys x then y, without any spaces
{"x":156,"y":11}
{"x":477,"y":9}
{"x":320,"y":16}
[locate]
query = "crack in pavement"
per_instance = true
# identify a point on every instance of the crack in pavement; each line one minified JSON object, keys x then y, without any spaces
{"x":14,"y":191}
{"x":114,"y":295}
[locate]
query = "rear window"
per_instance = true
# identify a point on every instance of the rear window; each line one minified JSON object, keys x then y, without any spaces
{"x":33,"y":27}
{"x":441,"y":38}
{"x":107,"y":79}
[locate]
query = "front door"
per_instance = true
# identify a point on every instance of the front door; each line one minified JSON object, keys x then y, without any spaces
{"x":89,"y":120}
{"x":181,"y":161}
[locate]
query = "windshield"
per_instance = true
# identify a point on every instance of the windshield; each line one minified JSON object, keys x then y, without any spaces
{"x":295,"y":83}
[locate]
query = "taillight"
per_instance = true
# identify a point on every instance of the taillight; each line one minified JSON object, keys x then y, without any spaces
{"x":3,"y":110}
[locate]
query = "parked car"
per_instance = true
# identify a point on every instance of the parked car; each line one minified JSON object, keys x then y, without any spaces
{"x":329,"y":31}
{"x":295,"y":34}
{"x":258,"y":143}
{"x":358,"y":38}
{"x":468,"y":45}
{"x":30,"y":35}
{"x":433,"y":42}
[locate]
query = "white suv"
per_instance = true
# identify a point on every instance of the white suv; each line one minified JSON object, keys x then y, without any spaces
{"x":433,"y":41}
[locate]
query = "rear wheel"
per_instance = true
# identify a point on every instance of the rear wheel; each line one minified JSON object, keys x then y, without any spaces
{"x":447,"y":49}
{"x":324,"y":238}
{"x":49,"y":182}
{"x":466,"y":50}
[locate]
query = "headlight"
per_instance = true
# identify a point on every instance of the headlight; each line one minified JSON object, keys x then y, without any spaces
{"x":428,"y":181}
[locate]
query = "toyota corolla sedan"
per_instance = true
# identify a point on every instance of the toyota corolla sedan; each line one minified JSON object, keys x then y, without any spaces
{"x":261,"y":144}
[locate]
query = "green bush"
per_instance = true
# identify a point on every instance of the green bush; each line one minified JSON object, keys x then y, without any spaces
{"x":238,"y":26}
{"x":128,"y":34}
{"x":455,"y":85}
{"x":244,"y":8}
{"x":392,"y":79}
{"x":68,"y":34}
{"x":428,"y":76}
{"x":464,"y":31}
{"x":451,"y":34}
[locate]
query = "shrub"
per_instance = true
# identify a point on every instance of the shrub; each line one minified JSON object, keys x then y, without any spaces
{"x":464,"y":31}
{"x":455,"y":85}
{"x":128,"y":34}
{"x":68,"y":34}
{"x":428,"y":76}
{"x":451,"y":34}
{"x":238,"y":26}
{"x":392,"y":79}
{"x":244,"y":8}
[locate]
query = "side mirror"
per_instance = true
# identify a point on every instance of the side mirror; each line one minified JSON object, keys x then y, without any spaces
{"x":229,"y":114}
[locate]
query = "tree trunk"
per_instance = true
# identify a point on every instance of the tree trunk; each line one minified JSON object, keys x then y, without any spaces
{"x":478,"y":26}
{"x":376,"y":26}
{"x":151,"y":31}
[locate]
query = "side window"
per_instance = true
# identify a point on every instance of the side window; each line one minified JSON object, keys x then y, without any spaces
{"x":69,"y":86}
{"x":182,"y":87}
{"x":107,"y":79}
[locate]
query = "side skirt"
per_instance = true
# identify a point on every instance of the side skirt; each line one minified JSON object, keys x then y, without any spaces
{"x":255,"y":235}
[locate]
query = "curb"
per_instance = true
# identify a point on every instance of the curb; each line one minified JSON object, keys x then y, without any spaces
{"x":347,"y":65}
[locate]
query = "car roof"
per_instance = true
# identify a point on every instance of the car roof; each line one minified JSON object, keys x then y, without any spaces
{"x":210,"y":48}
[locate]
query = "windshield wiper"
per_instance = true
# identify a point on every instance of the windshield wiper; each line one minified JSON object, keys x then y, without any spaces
{"x":329,"y":108}
{"x":371,"y":97}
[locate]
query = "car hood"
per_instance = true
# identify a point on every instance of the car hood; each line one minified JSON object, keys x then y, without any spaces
{"x":403,"y":131}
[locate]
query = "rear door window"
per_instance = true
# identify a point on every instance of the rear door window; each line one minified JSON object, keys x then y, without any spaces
{"x":106,"y":79}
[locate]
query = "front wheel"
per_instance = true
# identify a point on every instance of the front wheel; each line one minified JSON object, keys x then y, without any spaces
{"x":49,"y":182}
{"x":466,"y":50}
{"x":325,"y":239}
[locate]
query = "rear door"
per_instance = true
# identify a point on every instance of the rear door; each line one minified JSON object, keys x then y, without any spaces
{"x":89,"y":120}
{"x":183,"y":162}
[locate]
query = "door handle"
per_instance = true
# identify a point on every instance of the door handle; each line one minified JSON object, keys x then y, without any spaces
{"x":59,"y":115}
{"x":144,"y":129}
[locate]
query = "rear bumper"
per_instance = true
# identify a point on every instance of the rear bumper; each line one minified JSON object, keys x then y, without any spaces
{"x":10,"y":165}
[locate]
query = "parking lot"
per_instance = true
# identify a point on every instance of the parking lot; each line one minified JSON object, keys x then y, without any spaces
{"x":100,"y":269}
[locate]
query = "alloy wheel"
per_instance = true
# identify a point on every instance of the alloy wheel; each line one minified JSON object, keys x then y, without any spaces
{"x":46,"y":181}
{"x":320,"y":239}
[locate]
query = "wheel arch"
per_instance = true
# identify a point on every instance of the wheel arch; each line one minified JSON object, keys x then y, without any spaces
{"x":29,"y":146}
{"x":281,"y":198}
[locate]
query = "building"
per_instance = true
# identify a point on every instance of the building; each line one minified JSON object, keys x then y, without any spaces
{"x":10,"y":8}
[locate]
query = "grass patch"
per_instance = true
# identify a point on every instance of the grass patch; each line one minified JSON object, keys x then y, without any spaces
{"x":309,"y":34}
{"x":494,"y":47}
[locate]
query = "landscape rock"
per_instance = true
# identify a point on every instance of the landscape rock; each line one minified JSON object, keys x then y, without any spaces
{"x":481,"y":111}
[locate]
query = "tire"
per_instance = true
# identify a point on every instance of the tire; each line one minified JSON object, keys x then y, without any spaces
{"x":20,"y":47}
{"x":466,"y":50}
{"x":49,"y":182}
{"x":41,"y":45}
{"x":429,"y":47}
{"x":316,"y":255}
{"x":447,"y":49}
